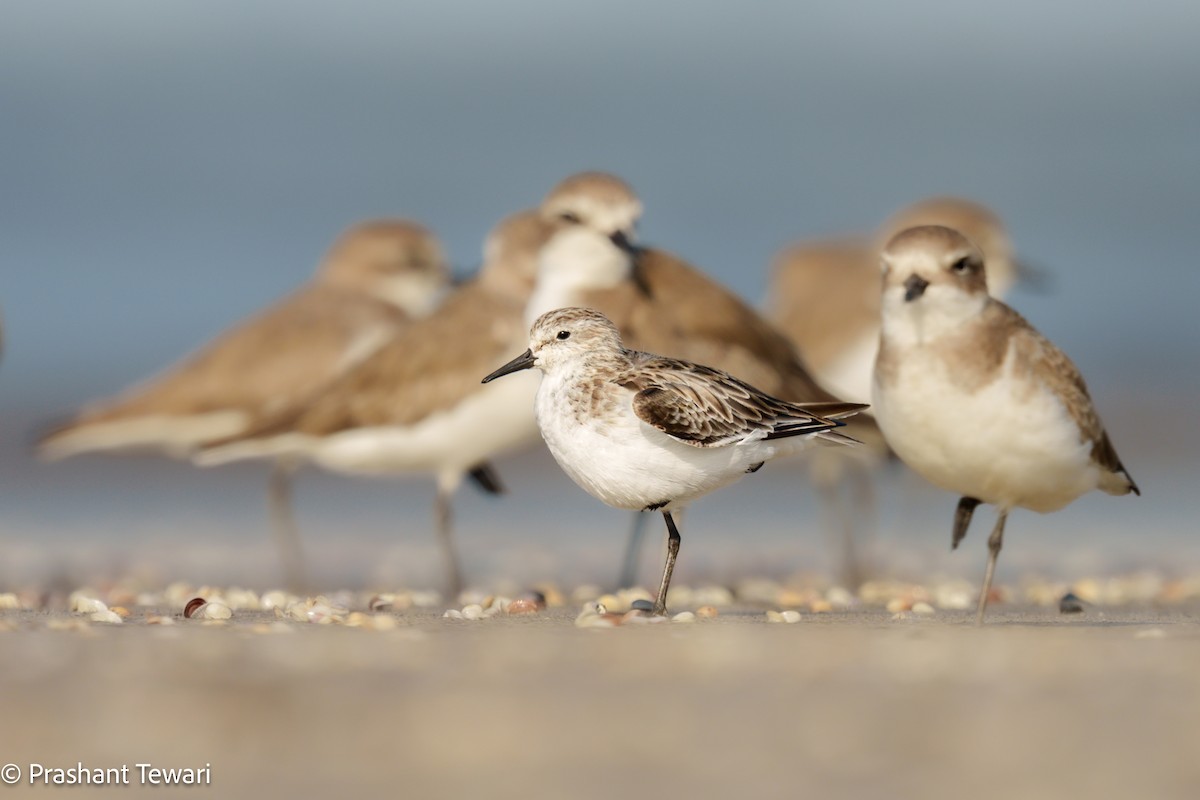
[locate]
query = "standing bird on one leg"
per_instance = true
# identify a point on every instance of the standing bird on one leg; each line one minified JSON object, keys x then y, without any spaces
{"x":974,"y":399}
{"x":648,"y":433}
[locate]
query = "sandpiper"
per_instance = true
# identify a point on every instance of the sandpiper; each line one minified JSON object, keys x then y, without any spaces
{"x":417,"y":406}
{"x":378,"y":277}
{"x":974,"y":399}
{"x":648,"y":433}
{"x":662,"y":304}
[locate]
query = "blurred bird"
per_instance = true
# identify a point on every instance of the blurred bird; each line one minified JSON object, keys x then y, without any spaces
{"x":974,"y":399}
{"x":377,"y":278}
{"x":662,"y":304}
{"x":417,"y":405}
{"x":824,"y":296}
{"x":648,"y":433}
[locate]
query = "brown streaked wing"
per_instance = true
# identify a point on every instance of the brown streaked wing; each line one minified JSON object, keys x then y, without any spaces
{"x":705,"y":407}
{"x":1053,"y":368}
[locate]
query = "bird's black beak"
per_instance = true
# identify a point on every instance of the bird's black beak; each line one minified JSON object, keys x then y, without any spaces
{"x":914,"y":287}
{"x":523,"y":361}
{"x":625,"y":244}
{"x":1034,"y":276}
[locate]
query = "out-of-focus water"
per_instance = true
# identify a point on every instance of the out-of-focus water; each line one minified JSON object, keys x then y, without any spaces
{"x":166,"y":169}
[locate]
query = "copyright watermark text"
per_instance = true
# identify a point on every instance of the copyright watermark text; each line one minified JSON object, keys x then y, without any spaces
{"x":35,"y":774}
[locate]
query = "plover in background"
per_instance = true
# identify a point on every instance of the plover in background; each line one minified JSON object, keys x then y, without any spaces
{"x":378,"y":277}
{"x":647,"y":433}
{"x":662,"y":304}
{"x":824,"y":296}
{"x":416,"y":405}
{"x":974,"y":399}
{"x":824,"y":293}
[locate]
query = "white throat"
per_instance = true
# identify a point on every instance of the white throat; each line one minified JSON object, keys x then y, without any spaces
{"x":573,"y":263}
{"x":940,"y":311}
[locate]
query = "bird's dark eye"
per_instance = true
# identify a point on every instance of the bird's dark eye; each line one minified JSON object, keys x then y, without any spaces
{"x":564,"y":334}
{"x":962,"y":265}
{"x":567,"y":216}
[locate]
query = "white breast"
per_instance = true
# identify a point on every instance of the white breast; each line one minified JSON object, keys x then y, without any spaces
{"x":628,"y":464}
{"x":1010,"y":443}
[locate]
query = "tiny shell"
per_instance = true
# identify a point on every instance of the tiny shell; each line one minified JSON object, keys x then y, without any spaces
{"x":107,"y":617}
{"x":707,"y":612}
{"x":276,"y":598}
{"x":382,"y":602}
{"x":242,"y":599}
{"x":613,"y":603}
{"x":898,"y":604}
{"x":820,"y":606}
{"x":522,"y":607}
{"x":922,"y":608}
{"x":82,"y":604}
{"x":9,"y":601}
{"x":120,"y":611}
{"x":789,"y":616}
{"x":452,"y":613}
{"x":472,"y":611}
{"x":594,"y":615}
{"x":685,"y":616}
{"x":213,"y":610}
{"x":194,"y":605}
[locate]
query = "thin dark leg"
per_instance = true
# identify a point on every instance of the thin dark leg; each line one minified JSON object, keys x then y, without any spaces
{"x":633,"y":551}
{"x":283,"y":528}
{"x":962,"y":519}
{"x":660,"y":607}
{"x":995,"y":542}
{"x":445,"y":535}
{"x":861,"y":507}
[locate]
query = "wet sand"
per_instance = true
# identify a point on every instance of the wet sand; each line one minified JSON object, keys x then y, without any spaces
{"x":852,"y":703}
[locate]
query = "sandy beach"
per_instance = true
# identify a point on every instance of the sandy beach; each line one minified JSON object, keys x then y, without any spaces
{"x":854,"y":702}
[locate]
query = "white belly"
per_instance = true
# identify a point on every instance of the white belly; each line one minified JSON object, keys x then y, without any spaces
{"x":628,"y":464}
{"x":1010,"y":443}
{"x":496,"y":419}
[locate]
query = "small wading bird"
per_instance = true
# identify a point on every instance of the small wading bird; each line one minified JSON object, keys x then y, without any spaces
{"x":824,"y":296}
{"x":377,"y":278}
{"x":662,"y":304}
{"x":647,"y":433}
{"x":974,"y":399}
{"x":416,"y":405}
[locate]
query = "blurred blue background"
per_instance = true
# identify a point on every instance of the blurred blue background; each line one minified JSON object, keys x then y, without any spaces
{"x":168,"y":168}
